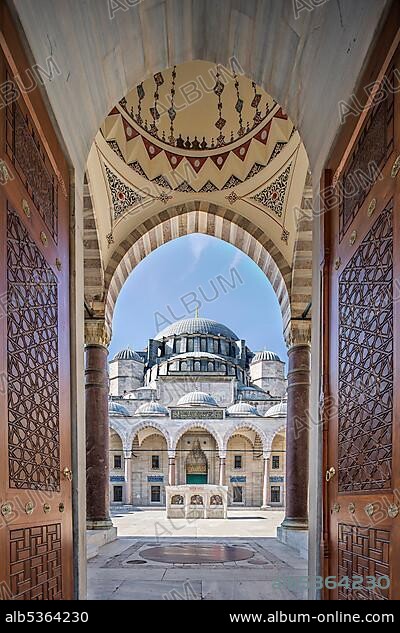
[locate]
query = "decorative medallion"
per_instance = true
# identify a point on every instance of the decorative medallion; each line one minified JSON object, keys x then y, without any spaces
{"x":26,"y":209}
{"x":232,"y":197}
{"x":369,"y":509}
{"x":338,"y":261}
{"x":46,"y":508}
{"x":371,"y":207}
{"x":351,"y":508}
{"x":336,"y":507}
{"x":353,"y":238}
{"x":393,"y":510}
{"x":6,"y":509}
{"x":285,"y":235}
{"x":395,"y":167}
{"x":29,"y":507}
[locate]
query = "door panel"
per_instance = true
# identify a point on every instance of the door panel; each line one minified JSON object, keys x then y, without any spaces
{"x":362,"y":238}
{"x":35,"y":431}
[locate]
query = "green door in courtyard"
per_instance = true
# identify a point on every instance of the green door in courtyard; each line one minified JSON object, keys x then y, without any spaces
{"x":196,"y":479}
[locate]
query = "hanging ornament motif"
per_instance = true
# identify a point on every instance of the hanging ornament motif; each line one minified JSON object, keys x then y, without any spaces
{"x":171,"y":109}
{"x":257,"y":118}
{"x":238,"y":108}
{"x":141,"y":93}
{"x":158,"y":80}
{"x":220,"y":123}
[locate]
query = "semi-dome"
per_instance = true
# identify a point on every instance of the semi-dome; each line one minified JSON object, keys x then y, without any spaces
{"x":151,"y":408}
{"x":128,"y":354}
{"x":197,"y":399}
{"x":114,"y":408}
{"x":196,"y":325}
{"x":264,"y":355}
{"x":241,"y":409}
{"x":277,"y":411}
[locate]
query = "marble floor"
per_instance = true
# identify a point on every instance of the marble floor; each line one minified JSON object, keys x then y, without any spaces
{"x":123,"y":571}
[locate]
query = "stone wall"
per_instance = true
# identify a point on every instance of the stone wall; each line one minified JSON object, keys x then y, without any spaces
{"x":251,"y":471}
{"x":125,"y":375}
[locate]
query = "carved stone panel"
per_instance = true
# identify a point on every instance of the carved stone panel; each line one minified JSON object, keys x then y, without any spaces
{"x":365,"y":391}
{"x":363,"y":552}
{"x":32,"y":364}
{"x":36,"y":563}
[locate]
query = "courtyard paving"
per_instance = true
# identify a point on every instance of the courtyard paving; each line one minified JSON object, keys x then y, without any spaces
{"x":123,"y":571}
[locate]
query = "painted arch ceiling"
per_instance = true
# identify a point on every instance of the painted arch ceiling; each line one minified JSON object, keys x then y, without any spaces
{"x":197,"y":132}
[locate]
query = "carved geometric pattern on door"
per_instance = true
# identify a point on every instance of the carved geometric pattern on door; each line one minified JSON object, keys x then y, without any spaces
{"x":32,"y":364}
{"x":36,"y":563}
{"x":363,"y":552}
{"x":366,"y":362}
{"x":369,"y":155}
{"x":30,"y":160}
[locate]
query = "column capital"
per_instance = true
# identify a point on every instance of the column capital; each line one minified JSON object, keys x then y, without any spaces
{"x":298,"y":332}
{"x":97,"y":332}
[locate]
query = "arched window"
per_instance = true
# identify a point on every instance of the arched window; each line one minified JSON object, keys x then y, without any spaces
{"x":223,"y":368}
{"x":203,"y":344}
{"x":197,"y":366}
{"x":177,"y":345}
{"x":190,"y":345}
{"x":184,"y":366}
{"x":210,"y":366}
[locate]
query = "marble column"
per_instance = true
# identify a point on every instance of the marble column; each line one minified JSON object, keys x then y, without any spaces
{"x":265,"y":482}
{"x":171,"y":471}
{"x":297,"y":430}
{"x":222,"y":471}
{"x":128,"y":477}
{"x":97,"y":428}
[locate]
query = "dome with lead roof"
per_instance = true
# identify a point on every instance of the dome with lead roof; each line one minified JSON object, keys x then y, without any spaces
{"x":265,"y":355}
{"x":128,"y":354}
{"x":151,"y":408}
{"x":242,"y":409}
{"x":196,"y":399}
{"x":277,"y":411}
{"x":196,"y":325}
{"x":114,"y":408}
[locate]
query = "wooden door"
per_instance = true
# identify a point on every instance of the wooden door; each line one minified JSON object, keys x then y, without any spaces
{"x":362,"y":367}
{"x":35,"y":433}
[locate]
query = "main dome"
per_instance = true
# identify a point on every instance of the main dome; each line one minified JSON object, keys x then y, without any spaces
{"x":196,"y":325}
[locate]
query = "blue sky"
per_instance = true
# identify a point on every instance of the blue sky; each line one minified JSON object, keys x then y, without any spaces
{"x":198,"y":271}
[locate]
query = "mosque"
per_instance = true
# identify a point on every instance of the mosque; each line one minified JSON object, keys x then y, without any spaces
{"x":197,"y":406}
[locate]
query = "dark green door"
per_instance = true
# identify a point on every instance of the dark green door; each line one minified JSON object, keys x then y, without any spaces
{"x":196,"y":479}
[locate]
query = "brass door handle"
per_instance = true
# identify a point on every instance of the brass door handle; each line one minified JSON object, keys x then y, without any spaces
{"x":67,"y":472}
{"x":331,"y":472}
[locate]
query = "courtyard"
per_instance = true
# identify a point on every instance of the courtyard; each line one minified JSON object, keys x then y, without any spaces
{"x":240,"y":559}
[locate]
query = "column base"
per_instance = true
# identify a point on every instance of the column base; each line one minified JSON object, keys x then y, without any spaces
{"x":102,"y":524}
{"x":295,"y":523}
{"x":95,"y":539}
{"x":296,"y":538}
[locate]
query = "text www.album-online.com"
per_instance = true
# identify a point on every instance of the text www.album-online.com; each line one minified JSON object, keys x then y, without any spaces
{"x":295,"y":618}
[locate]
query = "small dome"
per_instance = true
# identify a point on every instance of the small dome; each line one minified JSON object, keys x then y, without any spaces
{"x":114,"y":408}
{"x":151,"y":408}
{"x":277,"y":411}
{"x":196,"y":325}
{"x":198,"y":399}
{"x":265,"y":355}
{"x":128,"y":354}
{"x":241,"y":409}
